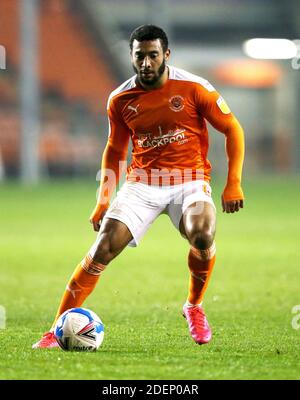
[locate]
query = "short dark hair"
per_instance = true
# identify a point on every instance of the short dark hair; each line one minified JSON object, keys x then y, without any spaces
{"x":149,"y":32}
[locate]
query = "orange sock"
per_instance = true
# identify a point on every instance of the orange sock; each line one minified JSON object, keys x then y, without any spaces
{"x":201,"y":263}
{"x":81,"y":284}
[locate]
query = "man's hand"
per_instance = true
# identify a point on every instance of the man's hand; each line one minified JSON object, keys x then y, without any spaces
{"x":232,"y":206}
{"x":232,"y":198}
{"x":97,"y":216}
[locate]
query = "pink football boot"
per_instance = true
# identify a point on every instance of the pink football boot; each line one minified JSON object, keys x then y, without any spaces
{"x":48,"y":341}
{"x":198,"y":325}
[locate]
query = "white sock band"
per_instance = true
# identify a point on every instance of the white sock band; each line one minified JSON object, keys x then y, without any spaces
{"x":204,"y":255}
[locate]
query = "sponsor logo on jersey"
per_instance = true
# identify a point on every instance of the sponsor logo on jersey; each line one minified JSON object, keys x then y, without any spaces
{"x":176,"y":103}
{"x":163,"y":139}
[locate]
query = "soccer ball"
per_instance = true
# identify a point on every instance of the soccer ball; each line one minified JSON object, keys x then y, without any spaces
{"x":79,"y":329}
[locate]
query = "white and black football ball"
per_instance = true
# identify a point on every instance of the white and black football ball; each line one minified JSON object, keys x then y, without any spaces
{"x":79,"y":329}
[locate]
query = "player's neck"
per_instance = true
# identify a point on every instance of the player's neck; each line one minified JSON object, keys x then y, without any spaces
{"x":163,"y":79}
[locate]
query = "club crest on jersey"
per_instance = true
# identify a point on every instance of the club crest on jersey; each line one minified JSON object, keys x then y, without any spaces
{"x":176,"y":103}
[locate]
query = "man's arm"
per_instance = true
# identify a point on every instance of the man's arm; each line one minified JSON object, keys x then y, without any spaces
{"x":110,"y":175}
{"x":233,"y":197}
{"x":114,"y":154}
{"x":216,"y":111}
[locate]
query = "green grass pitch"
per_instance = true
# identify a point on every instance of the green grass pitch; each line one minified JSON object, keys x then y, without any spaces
{"x":44,"y":233}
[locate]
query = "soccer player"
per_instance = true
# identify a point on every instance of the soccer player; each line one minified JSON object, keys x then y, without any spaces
{"x":163,"y":110}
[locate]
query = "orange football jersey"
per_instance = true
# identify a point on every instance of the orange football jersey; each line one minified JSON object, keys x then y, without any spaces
{"x":167,"y":127}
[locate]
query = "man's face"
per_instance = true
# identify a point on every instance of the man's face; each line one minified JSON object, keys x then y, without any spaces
{"x":149,"y":61}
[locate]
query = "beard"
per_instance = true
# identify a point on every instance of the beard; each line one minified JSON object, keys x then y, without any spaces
{"x":156,"y":76}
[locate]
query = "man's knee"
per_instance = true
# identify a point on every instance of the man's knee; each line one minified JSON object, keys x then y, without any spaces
{"x":103,"y":251}
{"x":201,"y":237}
{"x":114,"y":236}
{"x":199,"y":228}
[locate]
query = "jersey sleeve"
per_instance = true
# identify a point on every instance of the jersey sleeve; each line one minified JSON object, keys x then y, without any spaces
{"x":119,"y":133}
{"x":115,"y":151}
{"x":213,"y":107}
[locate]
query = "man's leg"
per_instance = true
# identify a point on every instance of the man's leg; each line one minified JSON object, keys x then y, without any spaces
{"x":199,"y":229}
{"x":198,"y":226}
{"x":112,"y":239}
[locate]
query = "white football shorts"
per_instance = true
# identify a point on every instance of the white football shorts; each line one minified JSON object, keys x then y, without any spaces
{"x":137,"y":204}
